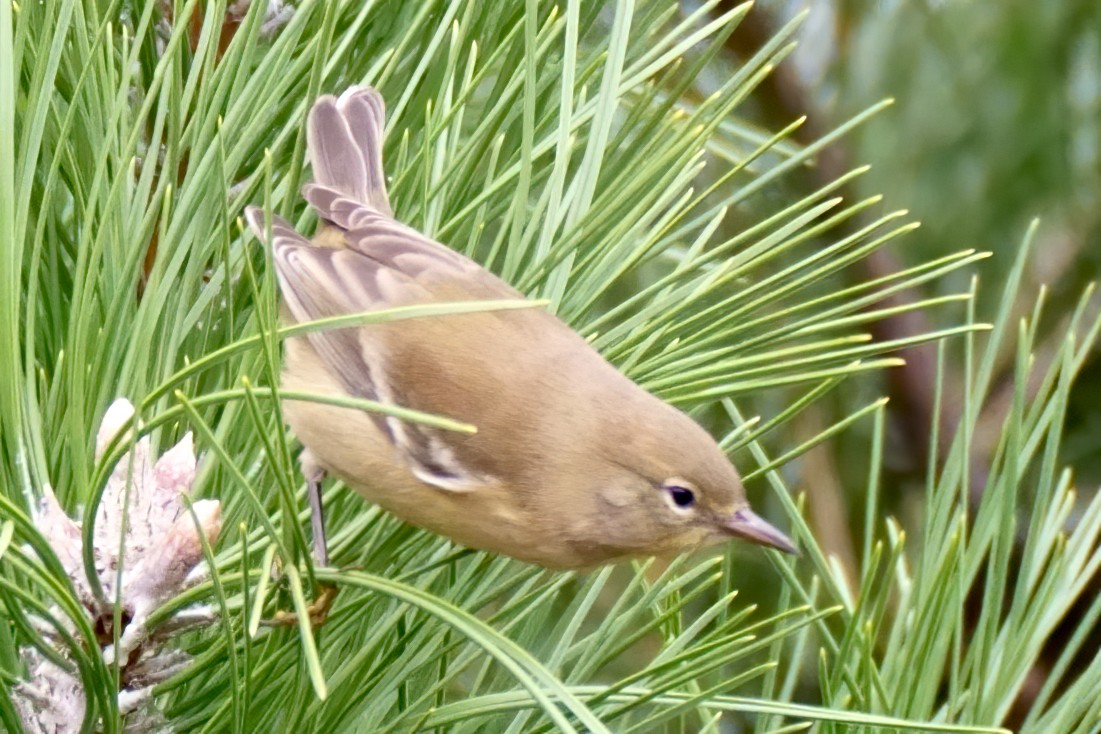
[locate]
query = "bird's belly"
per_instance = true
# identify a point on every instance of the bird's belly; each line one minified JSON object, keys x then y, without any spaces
{"x":349,"y":444}
{"x":481,"y":519}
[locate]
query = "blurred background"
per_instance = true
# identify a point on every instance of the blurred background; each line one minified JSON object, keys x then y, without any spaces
{"x":996,"y":117}
{"x":995,"y":121}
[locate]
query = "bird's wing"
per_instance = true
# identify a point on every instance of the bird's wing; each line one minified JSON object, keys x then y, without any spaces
{"x":397,"y":246}
{"x":319,"y":283}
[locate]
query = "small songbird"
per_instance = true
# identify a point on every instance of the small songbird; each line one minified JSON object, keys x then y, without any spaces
{"x":573,"y":465}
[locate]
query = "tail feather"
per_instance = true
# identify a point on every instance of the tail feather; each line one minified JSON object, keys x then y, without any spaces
{"x":344,"y":137}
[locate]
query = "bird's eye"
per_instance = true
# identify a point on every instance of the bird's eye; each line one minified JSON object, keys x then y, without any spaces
{"x":681,"y":496}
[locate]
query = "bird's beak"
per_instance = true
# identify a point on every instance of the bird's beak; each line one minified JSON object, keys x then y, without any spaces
{"x":748,"y":526}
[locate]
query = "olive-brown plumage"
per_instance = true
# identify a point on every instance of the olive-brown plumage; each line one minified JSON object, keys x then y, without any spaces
{"x":572,"y":465}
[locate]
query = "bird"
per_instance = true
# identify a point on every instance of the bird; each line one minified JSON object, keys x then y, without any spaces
{"x":572,"y":464}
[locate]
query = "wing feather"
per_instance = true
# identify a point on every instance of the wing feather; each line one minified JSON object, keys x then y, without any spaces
{"x":319,"y":283}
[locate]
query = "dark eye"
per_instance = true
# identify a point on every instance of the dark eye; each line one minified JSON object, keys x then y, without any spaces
{"x":682,"y":496}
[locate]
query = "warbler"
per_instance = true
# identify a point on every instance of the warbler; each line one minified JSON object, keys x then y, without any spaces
{"x":572,"y":465}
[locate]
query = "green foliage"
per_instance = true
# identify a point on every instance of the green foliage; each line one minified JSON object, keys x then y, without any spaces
{"x":553,"y":144}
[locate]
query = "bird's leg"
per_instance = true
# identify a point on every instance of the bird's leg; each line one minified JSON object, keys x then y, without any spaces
{"x":318,"y":610}
{"x":314,"y":475}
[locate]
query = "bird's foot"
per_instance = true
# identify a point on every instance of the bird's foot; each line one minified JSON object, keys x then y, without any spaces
{"x":317,"y":611}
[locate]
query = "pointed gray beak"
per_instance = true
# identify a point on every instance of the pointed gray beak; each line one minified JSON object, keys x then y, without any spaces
{"x":747,"y":525}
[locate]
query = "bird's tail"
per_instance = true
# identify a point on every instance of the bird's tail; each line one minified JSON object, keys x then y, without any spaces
{"x":344,"y":137}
